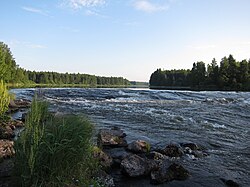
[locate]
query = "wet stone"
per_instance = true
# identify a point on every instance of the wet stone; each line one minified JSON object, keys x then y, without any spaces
{"x":172,"y":150}
{"x":136,"y":166}
{"x":6,"y":149}
{"x":139,"y":146}
{"x":192,"y":146}
{"x":104,"y":159}
{"x":114,"y":137}
{"x":167,"y":173}
{"x":6,"y":132}
{"x":230,"y":183}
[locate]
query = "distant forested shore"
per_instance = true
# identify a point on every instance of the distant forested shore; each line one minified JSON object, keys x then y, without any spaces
{"x":229,"y":75}
{"x":16,"y":76}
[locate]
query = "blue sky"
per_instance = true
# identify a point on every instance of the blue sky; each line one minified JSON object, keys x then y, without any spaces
{"x":129,"y":38}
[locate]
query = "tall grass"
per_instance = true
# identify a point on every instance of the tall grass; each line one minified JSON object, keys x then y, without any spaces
{"x":55,"y":151}
{"x":27,"y":146}
{"x":4,"y":98}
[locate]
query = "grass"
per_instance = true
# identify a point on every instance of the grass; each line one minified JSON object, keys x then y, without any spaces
{"x":54,"y":151}
{"x":4,"y":98}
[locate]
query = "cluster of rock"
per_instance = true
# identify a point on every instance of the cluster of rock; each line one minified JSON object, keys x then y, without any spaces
{"x":15,"y":105}
{"x":138,"y":159}
{"x":8,"y":131}
{"x":8,"y":127}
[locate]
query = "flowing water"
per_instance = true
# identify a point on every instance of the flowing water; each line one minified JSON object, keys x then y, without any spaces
{"x":217,"y":121}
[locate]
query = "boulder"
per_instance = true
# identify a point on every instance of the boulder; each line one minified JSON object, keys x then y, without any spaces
{"x":161,"y":175}
{"x":139,"y":146}
{"x":172,"y":150}
{"x":192,"y":146}
{"x":111,"y":138}
{"x":6,"y":149}
{"x":17,"y":123}
{"x":21,"y":103}
{"x":12,"y":104}
{"x":167,"y":173}
{"x":135,"y":166}
{"x":104,"y":159}
{"x":117,"y":154}
{"x":229,"y":183}
{"x":178,"y":172}
{"x":6,"y":132}
{"x":157,"y":157}
{"x":193,"y":149}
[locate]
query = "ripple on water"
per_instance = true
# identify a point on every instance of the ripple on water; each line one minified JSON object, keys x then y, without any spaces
{"x":217,"y":120}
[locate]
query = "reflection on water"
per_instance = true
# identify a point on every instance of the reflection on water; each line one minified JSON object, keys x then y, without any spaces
{"x":218,"y":121}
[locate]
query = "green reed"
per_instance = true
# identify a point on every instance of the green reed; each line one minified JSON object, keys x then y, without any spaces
{"x":55,"y":151}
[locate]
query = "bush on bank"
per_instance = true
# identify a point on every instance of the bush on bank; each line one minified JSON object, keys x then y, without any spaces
{"x":54,"y":151}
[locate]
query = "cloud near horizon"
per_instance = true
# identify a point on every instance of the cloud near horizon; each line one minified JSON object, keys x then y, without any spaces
{"x":149,"y":7}
{"x":78,"y":4}
{"x":34,"y":10}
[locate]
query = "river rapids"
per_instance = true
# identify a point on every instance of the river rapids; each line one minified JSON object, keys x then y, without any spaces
{"x":217,"y":121}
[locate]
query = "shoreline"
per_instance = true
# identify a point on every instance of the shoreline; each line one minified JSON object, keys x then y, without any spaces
{"x":195,"y":89}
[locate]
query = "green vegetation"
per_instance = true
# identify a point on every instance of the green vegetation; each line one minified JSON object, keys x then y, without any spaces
{"x":54,"y":151}
{"x":15,"y":76}
{"x":4,"y":99}
{"x":136,"y":84}
{"x":230,"y":75}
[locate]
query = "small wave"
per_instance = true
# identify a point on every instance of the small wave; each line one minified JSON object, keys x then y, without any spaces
{"x":207,"y":124}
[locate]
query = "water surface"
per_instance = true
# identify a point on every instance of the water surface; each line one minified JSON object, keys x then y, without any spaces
{"x":218,"y":121}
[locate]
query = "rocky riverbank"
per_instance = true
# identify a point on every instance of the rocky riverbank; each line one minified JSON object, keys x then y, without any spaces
{"x":138,"y":161}
{"x":9,"y":130}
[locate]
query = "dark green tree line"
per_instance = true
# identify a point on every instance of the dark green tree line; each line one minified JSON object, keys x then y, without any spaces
{"x":229,"y":75}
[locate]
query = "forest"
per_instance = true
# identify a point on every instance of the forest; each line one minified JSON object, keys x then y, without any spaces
{"x":229,"y":74}
{"x":12,"y":74}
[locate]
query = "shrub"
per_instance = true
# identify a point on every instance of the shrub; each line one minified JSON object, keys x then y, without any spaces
{"x":4,"y":98}
{"x":55,"y":151}
{"x":66,"y":152}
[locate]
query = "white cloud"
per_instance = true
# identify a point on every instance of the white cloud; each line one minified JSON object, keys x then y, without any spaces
{"x":89,"y":12}
{"x":34,"y":10}
{"x":77,"y":4}
{"x":147,"y":6}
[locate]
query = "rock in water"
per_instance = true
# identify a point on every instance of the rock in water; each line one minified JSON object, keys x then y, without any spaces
{"x":230,"y":183}
{"x":111,"y":138}
{"x":172,"y":151}
{"x":139,"y":146}
{"x":117,"y":154}
{"x":192,"y":146}
{"x":135,"y":166}
{"x":160,"y":175}
{"x":104,"y":159}
{"x":168,"y":173}
{"x":178,"y":172}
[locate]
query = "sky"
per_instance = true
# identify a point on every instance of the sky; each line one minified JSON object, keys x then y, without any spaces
{"x":128,"y":38}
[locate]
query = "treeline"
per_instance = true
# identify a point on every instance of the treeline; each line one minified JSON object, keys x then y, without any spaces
{"x":73,"y":78}
{"x":228,"y":75}
{"x":11,"y":73}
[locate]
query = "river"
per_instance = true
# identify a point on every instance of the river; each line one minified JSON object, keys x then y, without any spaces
{"x":217,"y":121}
